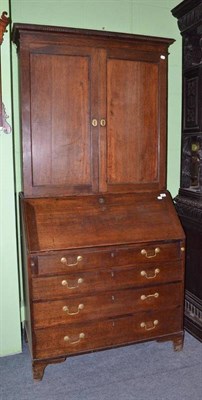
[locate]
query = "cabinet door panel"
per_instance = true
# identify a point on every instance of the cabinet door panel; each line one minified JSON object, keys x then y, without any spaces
{"x":62,"y":127}
{"x":135,"y":133}
{"x":132,"y":115}
{"x":61,"y":147}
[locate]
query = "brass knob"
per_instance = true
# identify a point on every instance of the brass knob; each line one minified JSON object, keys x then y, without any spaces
{"x":182,"y":248}
{"x":103,"y":122}
{"x":94,"y":122}
{"x":195,"y":146}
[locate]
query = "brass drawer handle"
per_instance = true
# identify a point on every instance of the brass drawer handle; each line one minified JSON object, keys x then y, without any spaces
{"x":64,"y":261}
{"x":68,"y":339}
{"x":66,"y":283}
{"x":147,"y":328}
{"x":145,"y":253}
{"x":66,"y":309}
{"x":144,"y":297}
{"x":148,"y":276}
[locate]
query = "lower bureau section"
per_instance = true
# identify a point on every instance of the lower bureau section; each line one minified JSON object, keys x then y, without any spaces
{"x":72,"y":339}
{"x":108,"y":272}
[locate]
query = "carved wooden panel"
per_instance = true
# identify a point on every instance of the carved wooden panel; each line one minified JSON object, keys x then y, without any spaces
{"x":191,"y":103}
{"x":192,"y":121}
{"x":192,"y":162}
{"x":192,"y":50}
{"x":186,"y":163}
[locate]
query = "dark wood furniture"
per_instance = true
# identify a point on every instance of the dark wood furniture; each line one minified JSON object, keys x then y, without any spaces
{"x":189,"y":199}
{"x":103,"y":246}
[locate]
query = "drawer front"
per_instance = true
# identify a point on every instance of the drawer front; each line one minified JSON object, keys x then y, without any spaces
{"x":70,"y":339}
{"x":57,"y":287}
{"x":73,"y":261}
{"x":110,"y":304}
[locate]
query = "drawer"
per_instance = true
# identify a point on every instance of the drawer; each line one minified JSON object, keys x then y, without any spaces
{"x":56,"y":287}
{"x":71,"y":339}
{"x":110,"y":304}
{"x":70,"y":261}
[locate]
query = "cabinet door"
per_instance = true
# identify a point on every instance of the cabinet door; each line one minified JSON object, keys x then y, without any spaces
{"x":59,"y":85}
{"x":135,"y":153}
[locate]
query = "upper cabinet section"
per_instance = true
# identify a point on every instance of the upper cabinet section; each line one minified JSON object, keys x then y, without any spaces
{"x":93,"y":110}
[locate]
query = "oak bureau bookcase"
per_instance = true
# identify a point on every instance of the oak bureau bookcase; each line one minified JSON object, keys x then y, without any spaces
{"x":103,"y":246}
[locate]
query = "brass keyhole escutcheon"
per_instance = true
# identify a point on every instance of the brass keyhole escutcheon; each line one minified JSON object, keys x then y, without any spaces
{"x":101,"y":200}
